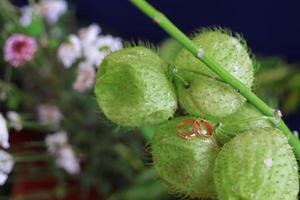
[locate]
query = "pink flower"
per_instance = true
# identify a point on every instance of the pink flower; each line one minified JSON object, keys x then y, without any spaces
{"x":19,"y":49}
{"x":49,"y":114}
{"x":85,"y":77}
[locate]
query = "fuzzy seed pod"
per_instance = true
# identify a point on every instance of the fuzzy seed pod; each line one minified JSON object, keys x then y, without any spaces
{"x":257,"y":164}
{"x":185,"y":165}
{"x":169,"y":49}
{"x":207,"y":95}
{"x":132,"y":88}
{"x":246,"y":118}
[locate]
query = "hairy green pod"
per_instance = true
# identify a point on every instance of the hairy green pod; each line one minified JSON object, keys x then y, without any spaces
{"x":185,"y":165}
{"x":257,"y":165}
{"x":132,"y":88}
{"x":207,"y":94}
{"x":246,"y":118}
{"x":169,"y":49}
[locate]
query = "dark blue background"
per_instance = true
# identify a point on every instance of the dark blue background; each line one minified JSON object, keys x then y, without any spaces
{"x":271,"y":27}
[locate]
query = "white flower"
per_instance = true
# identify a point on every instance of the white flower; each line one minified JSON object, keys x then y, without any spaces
{"x":103,"y":45}
{"x":6,"y":165}
{"x":56,"y":141}
{"x":59,"y":146}
{"x":67,"y":160}
{"x":3,"y":133}
{"x":93,"y":55}
{"x":49,"y":114}
{"x":14,"y":120}
{"x":108,"y":43}
{"x":26,"y":16}
{"x":89,"y":34}
{"x":85,"y":77}
{"x":70,"y":51}
{"x":52,"y":10}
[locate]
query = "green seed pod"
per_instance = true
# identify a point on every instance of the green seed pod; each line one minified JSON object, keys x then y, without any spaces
{"x":246,"y":118}
{"x":185,"y":165}
{"x":132,"y":88}
{"x":258,"y":164}
{"x":207,"y":94}
{"x":169,"y":49}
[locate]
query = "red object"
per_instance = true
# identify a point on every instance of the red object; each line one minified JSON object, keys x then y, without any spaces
{"x":40,"y":187}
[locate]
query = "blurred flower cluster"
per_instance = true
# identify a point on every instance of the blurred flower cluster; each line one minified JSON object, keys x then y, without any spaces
{"x":50,"y":10}
{"x":90,"y":48}
{"x":48,"y":68}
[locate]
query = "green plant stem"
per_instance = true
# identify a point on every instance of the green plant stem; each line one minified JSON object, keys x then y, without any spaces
{"x":35,"y":126}
{"x":146,"y":132}
{"x":171,"y":29}
{"x":31,"y":144}
{"x":199,"y":73}
{"x":32,"y":158}
{"x":8,"y":74}
{"x":31,"y":3}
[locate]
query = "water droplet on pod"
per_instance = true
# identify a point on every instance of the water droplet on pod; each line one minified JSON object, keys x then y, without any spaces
{"x":296,"y":133}
{"x":200,"y":53}
{"x":268,"y":162}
